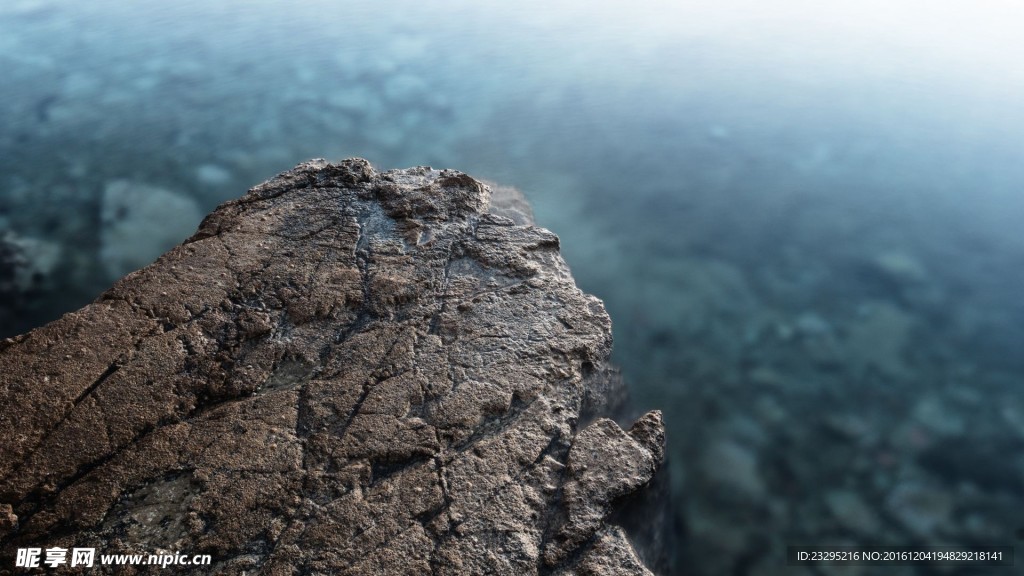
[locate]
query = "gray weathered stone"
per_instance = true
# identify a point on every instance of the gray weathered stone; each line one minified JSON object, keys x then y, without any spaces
{"x":344,"y":372}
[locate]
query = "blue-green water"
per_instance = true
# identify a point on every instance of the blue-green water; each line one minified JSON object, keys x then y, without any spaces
{"x":804,"y":220}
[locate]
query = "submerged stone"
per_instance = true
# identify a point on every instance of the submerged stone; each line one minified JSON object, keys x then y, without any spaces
{"x":140,"y":222}
{"x":27,"y":266}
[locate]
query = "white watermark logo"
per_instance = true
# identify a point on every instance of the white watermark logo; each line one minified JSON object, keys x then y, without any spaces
{"x":86,"y":557}
{"x":30,"y":557}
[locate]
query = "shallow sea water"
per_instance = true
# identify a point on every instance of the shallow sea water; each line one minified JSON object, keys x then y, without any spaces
{"x":804,"y":221}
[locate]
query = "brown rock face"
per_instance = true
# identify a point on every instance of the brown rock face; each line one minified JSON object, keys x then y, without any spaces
{"x":342,"y":372}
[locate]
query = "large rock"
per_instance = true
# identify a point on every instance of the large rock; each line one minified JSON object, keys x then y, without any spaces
{"x":344,"y":372}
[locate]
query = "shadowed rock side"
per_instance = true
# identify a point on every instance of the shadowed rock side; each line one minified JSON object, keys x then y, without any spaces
{"x":344,"y":372}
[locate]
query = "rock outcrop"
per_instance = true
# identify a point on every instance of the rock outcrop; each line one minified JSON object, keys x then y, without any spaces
{"x":342,"y":372}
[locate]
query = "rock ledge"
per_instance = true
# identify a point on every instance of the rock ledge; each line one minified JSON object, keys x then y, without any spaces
{"x":344,"y":371}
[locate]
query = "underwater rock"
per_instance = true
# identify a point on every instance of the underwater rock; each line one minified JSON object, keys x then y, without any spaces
{"x":728,"y":464}
{"x":899,"y":267}
{"x":991,"y":463}
{"x":26,"y":269}
{"x":811,"y":325}
{"x":140,"y":222}
{"x":212,"y":175}
{"x":852,"y":512}
{"x":879,"y":340}
{"x":344,"y":371}
{"x":939,"y":416}
{"x":923,"y":510}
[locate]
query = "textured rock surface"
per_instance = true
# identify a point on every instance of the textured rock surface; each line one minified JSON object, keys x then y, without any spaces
{"x":344,"y":371}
